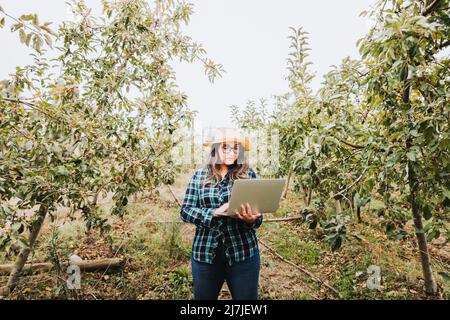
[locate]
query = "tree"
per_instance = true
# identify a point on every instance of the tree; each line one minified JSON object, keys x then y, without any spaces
{"x":379,"y":125}
{"x":100,"y":117}
{"x":409,"y":85}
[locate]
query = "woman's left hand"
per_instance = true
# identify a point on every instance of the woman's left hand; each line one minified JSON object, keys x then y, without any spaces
{"x":247,"y":214}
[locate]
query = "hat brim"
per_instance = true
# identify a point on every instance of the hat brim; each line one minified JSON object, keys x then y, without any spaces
{"x":245,"y":142}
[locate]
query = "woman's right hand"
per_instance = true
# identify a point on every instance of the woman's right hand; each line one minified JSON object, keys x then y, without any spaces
{"x":222,"y":209}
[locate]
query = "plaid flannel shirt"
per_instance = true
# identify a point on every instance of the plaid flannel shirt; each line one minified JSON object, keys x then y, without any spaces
{"x":238,"y":236}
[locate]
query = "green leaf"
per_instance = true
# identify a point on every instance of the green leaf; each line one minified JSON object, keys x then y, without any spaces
{"x":434,"y":234}
{"x":426,"y":212}
{"x":17,"y":227}
{"x":28,"y":39}
{"x":23,"y":242}
{"x":29,"y":145}
{"x":16,"y":26}
{"x":411,"y":155}
{"x":48,"y":40}
{"x":63,"y":171}
{"x":336,"y":243}
{"x":27,"y":17}
{"x":446,"y":193}
{"x":356,"y":200}
{"x":22,"y":36}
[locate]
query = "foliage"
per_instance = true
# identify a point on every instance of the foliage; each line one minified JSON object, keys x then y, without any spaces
{"x":99,"y":117}
{"x":378,"y":126}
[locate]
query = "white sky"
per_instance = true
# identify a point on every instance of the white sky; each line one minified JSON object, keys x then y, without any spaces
{"x":248,"y":37}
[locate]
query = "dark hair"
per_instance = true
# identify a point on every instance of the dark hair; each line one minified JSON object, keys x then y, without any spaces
{"x":237,"y":170}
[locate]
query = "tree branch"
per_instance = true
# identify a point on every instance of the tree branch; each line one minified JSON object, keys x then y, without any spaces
{"x":308,"y":273}
{"x":356,"y":146}
{"x":351,"y":185}
{"x":29,"y":104}
{"x":32,"y":29}
{"x":428,"y":9}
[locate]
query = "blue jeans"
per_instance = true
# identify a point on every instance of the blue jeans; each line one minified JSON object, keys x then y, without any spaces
{"x":242,"y":277}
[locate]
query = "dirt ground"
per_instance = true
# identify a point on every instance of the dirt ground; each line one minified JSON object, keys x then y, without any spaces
{"x":153,"y":228}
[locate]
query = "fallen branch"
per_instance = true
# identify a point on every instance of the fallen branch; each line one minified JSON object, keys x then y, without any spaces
{"x":99,"y":264}
{"x":358,"y":237}
{"x":164,"y":221}
{"x":7,"y":268}
{"x":283,"y":219}
{"x":174,"y":196}
{"x":85,"y":265}
{"x":308,"y":273}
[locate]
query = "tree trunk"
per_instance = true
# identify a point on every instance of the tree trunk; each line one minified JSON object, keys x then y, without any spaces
{"x":303,"y":191}
{"x":350,"y":205}
{"x":309,"y":196}
{"x":413,"y":182}
{"x":174,"y":195}
{"x":288,"y":180}
{"x":85,"y":265}
{"x":338,"y":206}
{"x":23,"y":255}
{"x":95,"y":199}
{"x":358,"y":214}
{"x":430,"y":283}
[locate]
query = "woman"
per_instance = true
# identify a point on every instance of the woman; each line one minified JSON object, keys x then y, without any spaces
{"x":224,"y":248}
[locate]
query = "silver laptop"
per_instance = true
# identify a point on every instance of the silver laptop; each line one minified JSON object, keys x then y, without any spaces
{"x":262,"y":194}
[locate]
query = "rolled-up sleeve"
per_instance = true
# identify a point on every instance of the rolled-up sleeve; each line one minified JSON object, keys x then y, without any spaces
{"x":191,"y":211}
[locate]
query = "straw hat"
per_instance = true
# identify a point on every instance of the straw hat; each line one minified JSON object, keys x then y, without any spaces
{"x":230,"y":135}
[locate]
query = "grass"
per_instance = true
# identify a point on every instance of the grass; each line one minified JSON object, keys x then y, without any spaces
{"x":302,"y":296}
{"x":158,"y":257}
{"x":287,"y":242}
{"x":401,"y":273}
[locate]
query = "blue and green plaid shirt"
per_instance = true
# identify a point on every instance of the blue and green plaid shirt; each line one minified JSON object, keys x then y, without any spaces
{"x":238,"y":236}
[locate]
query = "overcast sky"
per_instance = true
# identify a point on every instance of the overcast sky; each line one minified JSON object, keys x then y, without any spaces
{"x":248,"y":37}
